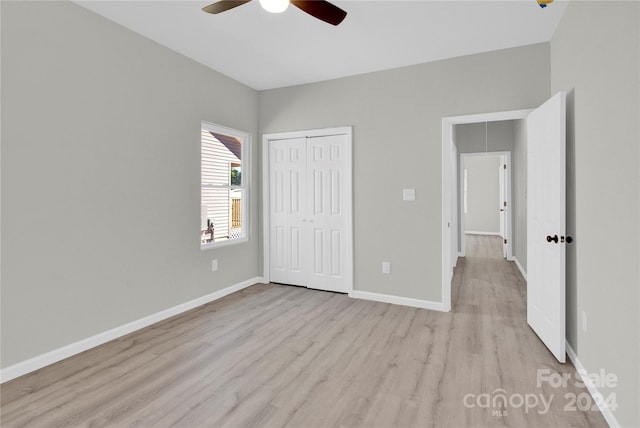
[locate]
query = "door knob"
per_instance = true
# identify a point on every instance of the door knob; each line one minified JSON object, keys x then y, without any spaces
{"x":554,"y":238}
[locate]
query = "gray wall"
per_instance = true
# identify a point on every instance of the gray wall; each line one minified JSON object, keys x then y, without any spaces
{"x":595,"y":56}
{"x":483,"y":194}
{"x":397,"y":119}
{"x":477,"y":138}
{"x":519,"y":192}
{"x":100,"y":177}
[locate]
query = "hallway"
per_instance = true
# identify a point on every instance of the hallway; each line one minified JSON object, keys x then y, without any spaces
{"x":504,"y":354}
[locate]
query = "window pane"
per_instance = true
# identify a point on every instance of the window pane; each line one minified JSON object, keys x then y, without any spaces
{"x":236,"y":174}
{"x":236,"y":229}
{"x":220,"y":156}
{"x":222,"y":216}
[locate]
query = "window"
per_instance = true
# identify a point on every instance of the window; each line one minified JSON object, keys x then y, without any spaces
{"x":224,"y":186}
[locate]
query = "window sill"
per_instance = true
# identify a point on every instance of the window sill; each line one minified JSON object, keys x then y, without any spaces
{"x":222,"y":244}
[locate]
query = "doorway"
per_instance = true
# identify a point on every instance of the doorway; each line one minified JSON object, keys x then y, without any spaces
{"x":485,"y":195}
{"x":545,"y":215}
{"x":450,"y":177}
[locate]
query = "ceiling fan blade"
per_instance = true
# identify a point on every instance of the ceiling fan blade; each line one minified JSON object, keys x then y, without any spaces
{"x":224,"y":5}
{"x":321,"y":9}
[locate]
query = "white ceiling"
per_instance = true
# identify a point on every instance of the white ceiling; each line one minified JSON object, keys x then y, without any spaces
{"x":264,"y":50}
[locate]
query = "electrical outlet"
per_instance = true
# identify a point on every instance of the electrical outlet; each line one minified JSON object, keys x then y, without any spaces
{"x":584,"y":321}
{"x":386,"y":267}
{"x":214,"y":265}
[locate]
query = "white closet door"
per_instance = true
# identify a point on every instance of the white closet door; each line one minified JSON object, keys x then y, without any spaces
{"x":288,"y":202}
{"x":327,"y":169}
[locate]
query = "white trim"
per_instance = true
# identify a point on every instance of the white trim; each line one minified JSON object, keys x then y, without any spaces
{"x":592,"y":388}
{"x":447,"y":271}
{"x":43,"y":360}
{"x":455,"y":206}
{"x":310,"y":133}
{"x":266,"y":218}
{"x":266,"y":209}
{"x":478,"y":232}
{"x":447,"y":215}
{"x":519,"y":266}
{"x":220,"y":244}
{"x":489,"y":117}
{"x":396,"y":300}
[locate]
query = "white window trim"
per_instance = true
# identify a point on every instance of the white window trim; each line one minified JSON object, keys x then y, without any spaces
{"x":246,"y":168}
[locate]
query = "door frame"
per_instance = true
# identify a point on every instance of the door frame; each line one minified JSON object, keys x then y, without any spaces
{"x":508,"y":217}
{"x":266,"y":209}
{"x":448,"y":238}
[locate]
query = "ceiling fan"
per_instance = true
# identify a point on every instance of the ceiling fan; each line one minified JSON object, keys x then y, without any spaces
{"x":320,"y":9}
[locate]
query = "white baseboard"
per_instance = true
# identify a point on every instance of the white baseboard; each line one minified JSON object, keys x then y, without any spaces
{"x":404,"y":301}
{"x":478,"y":232}
{"x":460,"y":254}
{"x":593,"y":390}
{"x":520,"y":268}
{"x":35,"y":363}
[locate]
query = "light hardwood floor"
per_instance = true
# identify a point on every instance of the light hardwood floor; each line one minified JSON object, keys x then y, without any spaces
{"x":275,"y":355}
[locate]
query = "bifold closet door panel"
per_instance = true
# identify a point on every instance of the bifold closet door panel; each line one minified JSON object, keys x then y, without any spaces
{"x":288,"y":204}
{"x":327,"y":219}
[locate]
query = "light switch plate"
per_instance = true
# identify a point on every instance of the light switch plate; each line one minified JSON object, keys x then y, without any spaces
{"x":386,"y":267}
{"x":408,"y":194}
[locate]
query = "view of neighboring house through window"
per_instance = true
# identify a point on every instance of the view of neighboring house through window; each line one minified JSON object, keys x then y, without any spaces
{"x":223,"y":196}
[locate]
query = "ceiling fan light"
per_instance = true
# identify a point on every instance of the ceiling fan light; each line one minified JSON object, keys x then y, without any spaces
{"x":274,"y":6}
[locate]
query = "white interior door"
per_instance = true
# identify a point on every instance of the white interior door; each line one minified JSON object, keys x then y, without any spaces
{"x":288,"y":204}
{"x":502,"y":203}
{"x":327,"y":169}
{"x":546,"y":223}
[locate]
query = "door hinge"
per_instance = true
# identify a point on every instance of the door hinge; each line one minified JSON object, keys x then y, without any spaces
{"x":505,"y":203}
{"x":505,"y":167}
{"x":505,"y":241}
